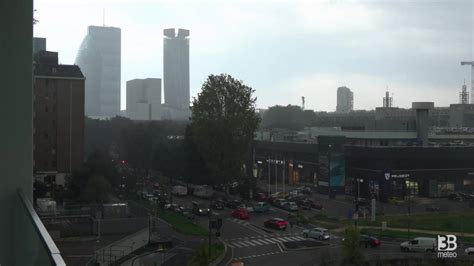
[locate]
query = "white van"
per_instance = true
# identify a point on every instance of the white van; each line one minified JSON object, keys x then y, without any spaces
{"x":419,"y":244}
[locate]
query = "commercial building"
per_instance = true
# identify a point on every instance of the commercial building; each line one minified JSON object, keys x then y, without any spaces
{"x":418,"y":161}
{"x":345,"y":100}
{"x":176,"y":73}
{"x":58,"y":117}
{"x":144,"y":99}
{"x":39,"y":44}
{"x":99,"y":59}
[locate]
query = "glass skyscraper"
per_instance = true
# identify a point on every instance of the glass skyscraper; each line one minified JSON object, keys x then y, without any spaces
{"x":99,"y":59}
{"x":176,"y":69}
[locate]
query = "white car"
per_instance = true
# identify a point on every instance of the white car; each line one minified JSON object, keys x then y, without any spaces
{"x":318,"y":233}
{"x":419,"y":244}
{"x":469,"y":251}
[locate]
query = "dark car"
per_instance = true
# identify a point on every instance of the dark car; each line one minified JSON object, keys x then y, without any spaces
{"x":261,"y":197}
{"x":369,"y":241}
{"x":455,"y":197}
{"x":217,"y":205}
{"x":276,"y":223}
{"x":197,"y":209}
{"x":308,"y":204}
{"x":232,"y":204}
{"x":432,"y":208}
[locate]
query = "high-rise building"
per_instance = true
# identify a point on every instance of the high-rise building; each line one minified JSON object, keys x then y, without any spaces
{"x":176,"y":72}
{"x":58,"y":117}
{"x":99,"y":59}
{"x":144,"y":99}
{"x":345,"y":100}
{"x":39,"y":44}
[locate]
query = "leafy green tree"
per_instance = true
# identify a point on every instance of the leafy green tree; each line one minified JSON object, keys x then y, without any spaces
{"x":223,"y":125}
{"x":351,"y":247}
{"x":97,"y":190}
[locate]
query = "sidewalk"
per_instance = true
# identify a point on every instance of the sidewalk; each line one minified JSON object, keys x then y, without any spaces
{"x":416,"y":230}
{"x":113,"y":252}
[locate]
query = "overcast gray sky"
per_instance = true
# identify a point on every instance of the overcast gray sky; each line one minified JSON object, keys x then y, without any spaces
{"x":287,"y":49}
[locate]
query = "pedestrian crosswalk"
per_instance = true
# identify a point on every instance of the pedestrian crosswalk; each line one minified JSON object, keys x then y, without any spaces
{"x":261,"y":241}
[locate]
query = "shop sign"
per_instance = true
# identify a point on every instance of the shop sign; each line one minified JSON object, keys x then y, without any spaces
{"x":388,"y":176}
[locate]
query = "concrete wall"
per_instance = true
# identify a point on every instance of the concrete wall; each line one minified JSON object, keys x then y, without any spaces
{"x":16,"y":154}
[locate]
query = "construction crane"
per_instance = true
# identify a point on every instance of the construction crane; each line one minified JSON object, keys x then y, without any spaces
{"x":467,"y":63}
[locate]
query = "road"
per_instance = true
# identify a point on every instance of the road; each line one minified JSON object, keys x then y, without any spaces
{"x":249,"y":242}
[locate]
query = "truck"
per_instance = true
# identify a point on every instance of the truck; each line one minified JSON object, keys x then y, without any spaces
{"x":179,"y":191}
{"x":205,"y":192}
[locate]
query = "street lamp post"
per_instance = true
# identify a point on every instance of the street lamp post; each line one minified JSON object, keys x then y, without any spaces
{"x":276,"y":175}
{"x":284,"y":164}
{"x":268,"y":183}
{"x":329,"y":170}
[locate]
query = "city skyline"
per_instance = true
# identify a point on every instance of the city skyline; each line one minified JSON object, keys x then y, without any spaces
{"x":309,"y":50}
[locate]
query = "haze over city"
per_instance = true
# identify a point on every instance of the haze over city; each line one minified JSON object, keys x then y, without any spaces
{"x":287,"y":49}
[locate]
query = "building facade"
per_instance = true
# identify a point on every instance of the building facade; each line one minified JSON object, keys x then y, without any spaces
{"x":176,"y":73}
{"x":99,"y":58}
{"x":345,"y":100}
{"x":144,"y":99}
{"x":39,"y":44}
{"x":58,"y":116}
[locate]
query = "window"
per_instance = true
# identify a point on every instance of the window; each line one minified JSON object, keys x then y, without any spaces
{"x":46,"y":109}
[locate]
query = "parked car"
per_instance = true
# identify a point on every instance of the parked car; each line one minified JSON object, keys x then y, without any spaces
{"x":261,"y":207}
{"x":419,"y":244}
{"x":276,"y":223}
{"x":179,"y":191}
{"x":308,"y":204}
{"x":199,"y":210}
{"x":291,"y":206}
{"x":216,"y":205}
{"x":240,"y":213}
{"x":369,"y":241}
{"x":317,"y":232}
{"x":455,"y":197}
{"x":432,"y":208}
{"x":247,"y":206}
{"x":261,"y":197}
{"x":469,"y":251}
{"x":279,"y":202}
{"x":232,"y":204}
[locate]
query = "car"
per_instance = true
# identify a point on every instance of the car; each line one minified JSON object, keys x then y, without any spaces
{"x":276,"y":223}
{"x":432,"y":208}
{"x":232,"y":204}
{"x":469,"y":251}
{"x":261,"y":207}
{"x":240,"y":213}
{"x":317,"y":232}
{"x":369,"y":241}
{"x":261,"y":197}
{"x":279,"y":202}
{"x":199,"y":210}
{"x":308,"y":204}
{"x":455,"y":197}
{"x":216,"y":205}
{"x":247,"y":206}
{"x":419,"y":244}
{"x":172,"y":207}
{"x":291,"y":206}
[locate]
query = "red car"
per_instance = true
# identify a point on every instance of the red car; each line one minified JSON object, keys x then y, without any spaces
{"x":276,"y":223}
{"x":240,"y":213}
{"x":261,"y":197}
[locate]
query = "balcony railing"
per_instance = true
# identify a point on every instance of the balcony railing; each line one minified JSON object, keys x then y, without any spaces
{"x":36,"y":245}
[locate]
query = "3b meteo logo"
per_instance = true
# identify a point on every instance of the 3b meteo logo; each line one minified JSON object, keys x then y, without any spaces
{"x":447,"y":246}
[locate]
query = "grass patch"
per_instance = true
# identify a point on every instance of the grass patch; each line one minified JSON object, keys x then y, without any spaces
{"x":182,"y":224}
{"x":201,"y":255}
{"x":404,"y":235}
{"x":451,"y":222}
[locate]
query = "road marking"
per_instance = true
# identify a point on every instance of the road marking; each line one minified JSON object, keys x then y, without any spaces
{"x":239,"y":245}
{"x":286,"y":238}
{"x":266,"y":241}
{"x":255,"y":243}
{"x":260,"y":241}
{"x":294,"y":238}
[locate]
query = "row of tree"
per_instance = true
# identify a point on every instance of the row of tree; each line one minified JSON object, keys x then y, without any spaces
{"x":211,"y":148}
